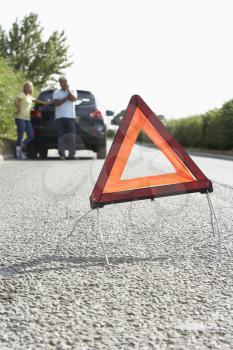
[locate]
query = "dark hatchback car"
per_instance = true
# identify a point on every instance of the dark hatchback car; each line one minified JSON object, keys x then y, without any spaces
{"x":90,"y":127}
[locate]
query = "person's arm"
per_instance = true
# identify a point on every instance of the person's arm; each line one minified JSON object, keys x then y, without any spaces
{"x":44,"y":103}
{"x":71,"y":96}
{"x":59,"y":102}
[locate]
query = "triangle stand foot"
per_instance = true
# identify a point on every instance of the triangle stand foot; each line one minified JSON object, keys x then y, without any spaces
{"x":101,"y":237}
{"x":214,"y":217}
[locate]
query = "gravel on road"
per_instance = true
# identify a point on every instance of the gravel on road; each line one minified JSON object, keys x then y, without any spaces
{"x":165,"y":288}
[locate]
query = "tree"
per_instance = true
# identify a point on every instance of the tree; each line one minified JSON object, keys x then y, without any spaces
{"x":3,"y":40}
{"x":25,"y":50}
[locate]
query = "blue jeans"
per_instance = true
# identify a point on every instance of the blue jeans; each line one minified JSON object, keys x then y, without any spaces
{"x":22,"y":126}
{"x":66,"y":131}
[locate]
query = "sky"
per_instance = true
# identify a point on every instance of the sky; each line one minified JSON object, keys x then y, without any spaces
{"x":176,"y":54}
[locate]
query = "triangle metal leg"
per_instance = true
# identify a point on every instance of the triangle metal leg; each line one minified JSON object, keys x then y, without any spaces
{"x":211,"y":212}
{"x":101,"y":237}
{"x":214,"y":217}
{"x":72,"y":232}
{"x":99,"y":233}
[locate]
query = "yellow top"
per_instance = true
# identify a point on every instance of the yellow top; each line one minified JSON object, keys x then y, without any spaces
{"x":25,"y":106}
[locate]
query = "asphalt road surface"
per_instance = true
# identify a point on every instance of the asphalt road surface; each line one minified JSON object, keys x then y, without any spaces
{"x":165,"y":288}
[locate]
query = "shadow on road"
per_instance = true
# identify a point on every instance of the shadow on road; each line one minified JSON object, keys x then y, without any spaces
{"x":36,"y":265}
{"x":50,"y":159}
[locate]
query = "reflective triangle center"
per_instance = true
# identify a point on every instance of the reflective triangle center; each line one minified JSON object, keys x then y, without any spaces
{"x":116,"y":183}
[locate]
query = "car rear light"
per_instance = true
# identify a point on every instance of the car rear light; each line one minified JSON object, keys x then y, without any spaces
{"x":35,"y":114}
{"x":96,"y":114}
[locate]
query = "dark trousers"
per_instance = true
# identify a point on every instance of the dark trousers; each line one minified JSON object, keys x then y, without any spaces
{"x":66,"y":131}
{"x":22,"y":126}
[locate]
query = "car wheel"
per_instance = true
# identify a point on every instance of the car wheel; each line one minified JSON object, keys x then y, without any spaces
{"x":102,"y":152}
{"x":43,"y":153}
{"x":32,"y":151}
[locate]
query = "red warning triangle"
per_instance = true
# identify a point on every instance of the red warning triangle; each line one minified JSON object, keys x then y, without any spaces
{"x":111,"y":188}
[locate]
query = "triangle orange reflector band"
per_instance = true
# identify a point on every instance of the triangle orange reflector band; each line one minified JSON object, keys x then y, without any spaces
{"x":110,"y":188}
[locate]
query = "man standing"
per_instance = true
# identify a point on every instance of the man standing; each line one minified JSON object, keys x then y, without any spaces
{"x":65,"y":118}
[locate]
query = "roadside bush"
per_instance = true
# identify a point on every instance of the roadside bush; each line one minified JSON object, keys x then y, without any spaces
{"x":212,"y":130}
{"x":111,"y":133}
{"x":226,"y":125}
{"x":178,"y":129}
{"x":10,"y":86}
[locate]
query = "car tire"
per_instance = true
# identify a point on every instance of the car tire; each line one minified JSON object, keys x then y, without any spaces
{"x":32,"y":151}
{"x":43,"y":153}
{"x":102,"y":152}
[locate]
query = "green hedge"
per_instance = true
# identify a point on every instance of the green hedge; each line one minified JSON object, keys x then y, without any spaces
{"x":212,"y":130}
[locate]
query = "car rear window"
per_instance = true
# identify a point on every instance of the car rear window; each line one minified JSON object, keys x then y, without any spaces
{"x":46,"y":96}
{"x":85,"y":98}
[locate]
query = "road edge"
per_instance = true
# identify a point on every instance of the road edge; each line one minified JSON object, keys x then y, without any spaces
{"x":210,"y":155}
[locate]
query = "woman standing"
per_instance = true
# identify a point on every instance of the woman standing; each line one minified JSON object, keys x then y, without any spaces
{"x":23,"y":103}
